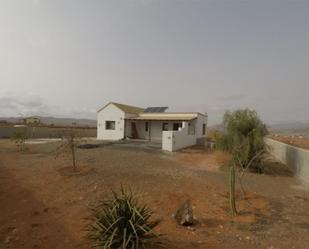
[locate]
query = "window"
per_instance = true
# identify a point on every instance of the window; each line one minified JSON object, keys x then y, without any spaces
{"x":165,"y":127}
{"x":204,"y":129}
{"x":176,"y":126}
{"x":110,"y":125}
{"x":146,"y":126}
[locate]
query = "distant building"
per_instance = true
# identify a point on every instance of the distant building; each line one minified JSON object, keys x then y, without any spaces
{"x":19,"y":126}
{"x":31,"y":120}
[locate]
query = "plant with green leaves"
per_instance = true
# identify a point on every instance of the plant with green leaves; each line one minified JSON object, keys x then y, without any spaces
{"x":20,"y":138}
{"x":243,"y":138}
{"x":120,"y":222}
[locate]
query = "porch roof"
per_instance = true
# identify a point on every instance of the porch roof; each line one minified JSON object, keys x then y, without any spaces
{"x":165,"y":116}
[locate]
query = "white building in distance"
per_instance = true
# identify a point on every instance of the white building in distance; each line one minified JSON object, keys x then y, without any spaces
{"x":174,"y":130}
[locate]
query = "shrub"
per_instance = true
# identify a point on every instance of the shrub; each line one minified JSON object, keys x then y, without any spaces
{"x":70,"y":140}
{"x":120,"y":222}
{"x":243,"y":138}
{"x":20,"y":138}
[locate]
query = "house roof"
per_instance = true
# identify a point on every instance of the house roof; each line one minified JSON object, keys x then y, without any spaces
{"x":125,"y":108}
{"x":186,"y":116}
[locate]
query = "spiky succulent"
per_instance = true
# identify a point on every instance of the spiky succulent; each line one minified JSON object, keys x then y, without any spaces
{"x":120,"y":222}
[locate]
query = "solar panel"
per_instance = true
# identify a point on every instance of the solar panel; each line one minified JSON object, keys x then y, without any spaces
{"x":155,"y":109}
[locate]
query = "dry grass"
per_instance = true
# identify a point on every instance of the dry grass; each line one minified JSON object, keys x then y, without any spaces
{"x":222,"y":158}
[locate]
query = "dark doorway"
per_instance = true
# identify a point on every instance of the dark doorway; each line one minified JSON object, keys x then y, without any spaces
{"x":134,"y":133}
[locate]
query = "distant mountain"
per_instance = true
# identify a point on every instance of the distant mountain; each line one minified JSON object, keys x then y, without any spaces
{"x":218,"y":127}
{"x":291,"y":127}
{"x":56,"y":121}
{"x":286,"y":128}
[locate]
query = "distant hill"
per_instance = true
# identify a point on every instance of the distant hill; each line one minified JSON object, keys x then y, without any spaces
{"x":56,"y":121}
{"x":218,"y":127}
{"x":280,"y":128}
{"x":291,"y":128}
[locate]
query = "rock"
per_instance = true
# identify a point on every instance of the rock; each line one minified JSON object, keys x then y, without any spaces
{"x":8,"y":240}
{"x":184,"y":215}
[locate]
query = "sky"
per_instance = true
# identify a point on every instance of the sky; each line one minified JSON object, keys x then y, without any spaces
{"x":67,"y":58}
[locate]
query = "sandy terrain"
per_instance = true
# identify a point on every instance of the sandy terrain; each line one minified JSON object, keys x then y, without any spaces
{"x":43,"y":205}
{"x":301,"y":141}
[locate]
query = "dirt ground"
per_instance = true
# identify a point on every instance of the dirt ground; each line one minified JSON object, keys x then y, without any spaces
{"x":43,"y":205}
{"x":301,"y":141}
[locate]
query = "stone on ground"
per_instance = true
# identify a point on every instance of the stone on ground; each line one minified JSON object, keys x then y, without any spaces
{"x":184,"y":215}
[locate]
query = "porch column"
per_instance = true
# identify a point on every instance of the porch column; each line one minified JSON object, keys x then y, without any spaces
{"x":149,"y":130}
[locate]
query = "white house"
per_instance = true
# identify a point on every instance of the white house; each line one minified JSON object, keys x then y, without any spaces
{"x":174,"y":130}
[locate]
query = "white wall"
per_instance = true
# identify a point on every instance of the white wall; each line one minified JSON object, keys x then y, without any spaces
{"x":175,"y":140}
{"x":201,"y":119}
{"x":110,"y":113}
{"x":156,"y":130}
{"x":296,"y":159}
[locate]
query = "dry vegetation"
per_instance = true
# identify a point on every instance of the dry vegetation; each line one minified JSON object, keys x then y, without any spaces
{"x":43,"y":206}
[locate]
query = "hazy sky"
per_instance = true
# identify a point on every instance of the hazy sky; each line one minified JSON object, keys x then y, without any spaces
{"x":70,"y":57}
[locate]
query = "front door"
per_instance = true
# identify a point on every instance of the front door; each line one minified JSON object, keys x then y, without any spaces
{"x":134,"y":130}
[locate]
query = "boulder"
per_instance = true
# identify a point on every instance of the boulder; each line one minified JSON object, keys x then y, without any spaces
{"x":184,"y":215}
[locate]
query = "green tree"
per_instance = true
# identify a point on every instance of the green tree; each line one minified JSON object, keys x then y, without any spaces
{"x":243,"y":138}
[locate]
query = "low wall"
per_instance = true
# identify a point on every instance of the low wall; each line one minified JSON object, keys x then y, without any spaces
{"x":175,"y":140}
{"x":296,"y":159}
{"x":44,"y":132}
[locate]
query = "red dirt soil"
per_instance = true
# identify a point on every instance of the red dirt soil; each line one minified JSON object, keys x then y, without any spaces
{"x":43,"y":205}
{"x":301,"y":141}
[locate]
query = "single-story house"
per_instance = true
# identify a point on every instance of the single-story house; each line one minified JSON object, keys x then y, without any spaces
{"x":174,"y":130}
{"x":31,"y":120}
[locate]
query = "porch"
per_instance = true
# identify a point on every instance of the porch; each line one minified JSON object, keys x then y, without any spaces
{"x":153,"y":130}
{"x":171,"y":133}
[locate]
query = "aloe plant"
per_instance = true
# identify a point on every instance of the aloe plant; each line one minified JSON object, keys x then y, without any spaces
{"x":120,"y":222}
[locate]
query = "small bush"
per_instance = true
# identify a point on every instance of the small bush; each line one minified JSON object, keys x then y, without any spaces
{"x":20,"y":138}
{"x":121,"y":223}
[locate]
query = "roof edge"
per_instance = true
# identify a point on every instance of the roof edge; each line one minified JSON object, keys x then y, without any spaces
{"x":104,"y":106}
{"x":199,"y":113}
{"x":116,"y":105}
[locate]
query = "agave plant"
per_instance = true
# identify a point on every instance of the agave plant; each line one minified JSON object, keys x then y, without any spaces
{"x":121,"y":223}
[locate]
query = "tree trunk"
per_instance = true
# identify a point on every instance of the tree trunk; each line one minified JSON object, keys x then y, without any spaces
{"x":73,"y":157}
{"x":232,"y":190}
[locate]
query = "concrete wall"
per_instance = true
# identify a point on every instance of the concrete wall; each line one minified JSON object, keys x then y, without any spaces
{"x":175,"y":140}
{"x":201,"y":119}
{"x":296,"y":159}
{"x":43,"y":132}
{"x":111,"y":113}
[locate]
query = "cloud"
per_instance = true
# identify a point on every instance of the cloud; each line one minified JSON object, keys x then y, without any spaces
{"x":146,"y":2}
{"x":41,"y":40}
{"x":27,"y":104}
{"x":36,"y":2}
{"x":232,"y":97}
{"x":14,"y":103}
